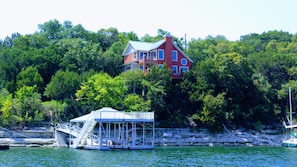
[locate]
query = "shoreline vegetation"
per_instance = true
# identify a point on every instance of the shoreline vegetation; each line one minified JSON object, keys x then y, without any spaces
{"x":63,"y":71}
{"x":173,"y":137}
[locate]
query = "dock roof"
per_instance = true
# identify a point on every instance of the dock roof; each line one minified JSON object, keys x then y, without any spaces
{"x":108,"y":114}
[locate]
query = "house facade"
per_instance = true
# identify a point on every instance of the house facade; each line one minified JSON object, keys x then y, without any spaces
{"x":144,"y":55}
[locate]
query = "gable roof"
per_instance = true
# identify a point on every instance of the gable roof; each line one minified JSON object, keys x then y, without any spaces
{"x":183,"y":53}
{"x":142,"y":46}
{"x":148,"y":46}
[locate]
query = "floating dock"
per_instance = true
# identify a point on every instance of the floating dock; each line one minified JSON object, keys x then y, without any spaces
{"x":110,"y":129}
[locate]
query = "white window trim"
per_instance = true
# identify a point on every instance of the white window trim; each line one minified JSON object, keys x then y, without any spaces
{"x":176,"y":55}
{"x":143,"y":53}
{"x":185,"y":67}
{"x":151,"y":56}
{"x":163,"y":54}
{"x":181,"y":60}
{"x":134,"y":54}
{"x":176,"y":67}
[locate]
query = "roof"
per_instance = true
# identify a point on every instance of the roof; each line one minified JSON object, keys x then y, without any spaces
{"x":183,"y":53}
{"x":143,"y":46}
{"x":148,"y":46}
{"x":113,"y":115}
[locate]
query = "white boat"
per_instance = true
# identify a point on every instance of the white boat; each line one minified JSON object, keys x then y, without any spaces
{"x":291,"y":139}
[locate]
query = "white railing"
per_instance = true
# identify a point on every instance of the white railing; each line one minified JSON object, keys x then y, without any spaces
{"x":122,"y":115}
{"x":84,"y":132}
{"x":13,"y":134}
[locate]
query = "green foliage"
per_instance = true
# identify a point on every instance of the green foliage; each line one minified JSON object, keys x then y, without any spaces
{"x":63,"y":85}
{"x":157,"y":84}
{"x":213,"y":111}
{"x":29,"y":77}
{"x":28,"y":103}
{"x":134,"y":102}
{"x":235,"y":83}
{"x":133,"y":80}
{"x":6,"y":110}
{"x":101,"y":90}
{"x":53,"y":111}
{"x":51,"y":29}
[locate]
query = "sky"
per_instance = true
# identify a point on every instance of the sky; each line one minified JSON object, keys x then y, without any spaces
{"x":182,"y":18}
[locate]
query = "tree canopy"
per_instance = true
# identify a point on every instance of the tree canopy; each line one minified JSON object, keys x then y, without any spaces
{"x":63,"y":71}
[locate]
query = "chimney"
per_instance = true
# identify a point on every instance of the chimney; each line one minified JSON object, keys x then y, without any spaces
{"x":168,"y":50}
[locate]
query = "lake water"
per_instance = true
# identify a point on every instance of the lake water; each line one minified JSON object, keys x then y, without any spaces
{"x":160,"y":156}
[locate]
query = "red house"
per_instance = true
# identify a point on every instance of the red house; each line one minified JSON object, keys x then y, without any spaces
{"x":144,"y":55}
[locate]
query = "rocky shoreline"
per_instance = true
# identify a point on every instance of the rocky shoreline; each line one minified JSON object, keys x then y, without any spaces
{"x":28,"y":142}
{"x":228,"y":138}
{"x":181,"y":137}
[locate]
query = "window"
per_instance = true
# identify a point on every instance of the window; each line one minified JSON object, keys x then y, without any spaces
{"x":183,"y":61}
{"x":141,"y":68}
{"x":153,"y":55}
{"x":160,"y":65}
{"x":134,"y":55}
{"x":174,"y":55}
{"x":174,"y":69}
{"x":142,"y":55}
{"x":160,"y":54}
{"x":183,"y":69}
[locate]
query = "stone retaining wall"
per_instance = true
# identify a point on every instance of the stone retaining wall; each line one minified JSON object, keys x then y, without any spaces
{"x":166,"y":137}
{"x":28,"y":141}
{"x":182,"y":137}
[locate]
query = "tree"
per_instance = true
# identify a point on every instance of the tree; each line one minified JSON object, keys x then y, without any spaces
{"x":107,"y":37}
{"x":30,"y":77}
{"x":134,"y":102}
{"x":6,"y":108}
{"x":54,"y":111}
{"x":101,"y":90}
{"x":133,"y":80}
{"x":78,"y":55}
{"x":227,"y":76}
{"x":51,"y":29}
{"x":112,"y":61}
{"x":28,"y":105}
{"x":63,"y":85}
{"x":156,"y":84}
{"x":213,"y":112}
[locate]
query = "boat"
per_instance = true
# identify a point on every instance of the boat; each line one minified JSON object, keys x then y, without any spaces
{"x":291,"y":139}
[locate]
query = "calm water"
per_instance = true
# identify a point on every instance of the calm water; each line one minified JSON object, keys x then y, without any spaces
{"x":160,"y":156}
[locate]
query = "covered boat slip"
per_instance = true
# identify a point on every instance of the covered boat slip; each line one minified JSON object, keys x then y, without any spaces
{"x":107,"y":129}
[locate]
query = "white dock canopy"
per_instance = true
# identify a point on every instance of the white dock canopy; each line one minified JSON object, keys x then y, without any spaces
{"x":114,"y":130}
{"x":113,"y":115}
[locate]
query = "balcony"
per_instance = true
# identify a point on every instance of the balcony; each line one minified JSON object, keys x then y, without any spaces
{"x":147,"y":61}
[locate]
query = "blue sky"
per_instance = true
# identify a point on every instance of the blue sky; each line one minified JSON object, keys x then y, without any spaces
{"x":196,"y":18}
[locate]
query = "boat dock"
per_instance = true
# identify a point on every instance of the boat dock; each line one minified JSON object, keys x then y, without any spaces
{"x":110,"y":129}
